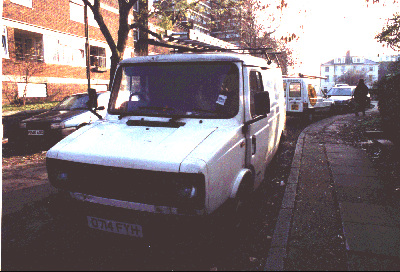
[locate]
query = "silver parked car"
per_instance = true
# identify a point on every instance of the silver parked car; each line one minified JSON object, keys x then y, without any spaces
{"x":342,"y":97}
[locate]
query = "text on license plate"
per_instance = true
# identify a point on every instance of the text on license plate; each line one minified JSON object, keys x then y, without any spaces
{"x":295,"y":107}
{"x":35,"y":132}
{"x":115,"y":227}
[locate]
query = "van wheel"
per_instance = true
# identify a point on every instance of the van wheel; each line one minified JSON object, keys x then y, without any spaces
{"x":308,"y":117}
{"x":239,"y":208}
{"x":283,"y":135}
{"x":332,"y":110}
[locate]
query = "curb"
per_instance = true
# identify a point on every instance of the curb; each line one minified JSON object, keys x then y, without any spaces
{"x":278,"y":251}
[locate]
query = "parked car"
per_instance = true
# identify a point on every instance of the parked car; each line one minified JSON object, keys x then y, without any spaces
{"x":304,"y":96}
{"x":69,"y":115}
{"x":185,"y":136}
{"x":342,"y":97}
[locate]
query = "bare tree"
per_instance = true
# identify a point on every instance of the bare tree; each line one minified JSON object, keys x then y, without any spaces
{"x":252,"y":24}
{"x":164,"y":13}
{"x":353,"y":76}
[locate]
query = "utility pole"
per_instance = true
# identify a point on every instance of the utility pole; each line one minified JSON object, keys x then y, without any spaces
{"x":87,"y":48}
{"x":141,"y":16}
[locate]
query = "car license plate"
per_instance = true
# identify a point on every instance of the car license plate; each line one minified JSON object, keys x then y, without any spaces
{"x":295,"y":107}
{"x":35,"y":132}
{"x":115,"y":227}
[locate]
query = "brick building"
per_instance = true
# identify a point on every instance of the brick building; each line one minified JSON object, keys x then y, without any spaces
{"x":55,"y":32}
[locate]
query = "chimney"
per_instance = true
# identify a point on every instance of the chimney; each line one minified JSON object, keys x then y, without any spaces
{"x":348,"y":58}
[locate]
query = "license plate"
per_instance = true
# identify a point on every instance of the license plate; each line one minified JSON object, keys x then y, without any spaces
{"x":295,"y":107}
{"x":115,"y":227}
{"x":35,"y":132}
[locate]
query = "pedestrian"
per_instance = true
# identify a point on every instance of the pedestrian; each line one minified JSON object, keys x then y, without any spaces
{"x":360,"y":97}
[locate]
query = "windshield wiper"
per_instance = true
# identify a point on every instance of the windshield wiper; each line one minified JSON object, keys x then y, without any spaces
{"x":202,"y":110}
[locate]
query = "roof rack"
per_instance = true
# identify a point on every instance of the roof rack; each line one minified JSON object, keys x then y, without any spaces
{"x":195,"y":41}
{"x":303,"y":76}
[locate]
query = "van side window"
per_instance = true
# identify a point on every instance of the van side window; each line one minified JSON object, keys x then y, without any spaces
{"x":255,"y":87}
{"x":295,"y":89}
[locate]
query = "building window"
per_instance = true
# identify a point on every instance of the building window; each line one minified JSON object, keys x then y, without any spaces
{"x":327,"y":79}
{"x":26,"y":3}
{"x":371,"y":78}
{"x":326,"y":69}
{"x":136,"y":35}
{"x":76,"y":12}
{"x":28,"y":46}
{"x":4,"y":42}
{"x":97,"y":56}
{"x":371,"y":68}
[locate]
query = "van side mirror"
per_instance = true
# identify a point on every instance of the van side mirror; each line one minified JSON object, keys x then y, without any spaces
{"x":262,"y":103}
{"x":92,"y":103}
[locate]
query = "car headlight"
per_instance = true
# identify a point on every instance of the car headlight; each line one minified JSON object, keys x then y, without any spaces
{"x":22,"y":125}
{"x":57,"y":125}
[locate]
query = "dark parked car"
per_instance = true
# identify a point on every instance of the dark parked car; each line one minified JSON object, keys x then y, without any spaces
{"x":69,"y":115}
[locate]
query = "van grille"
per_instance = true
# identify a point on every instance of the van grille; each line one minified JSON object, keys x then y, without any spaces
{"x":133,"y":185}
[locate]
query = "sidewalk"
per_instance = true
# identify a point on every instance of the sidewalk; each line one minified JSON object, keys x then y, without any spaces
{"x":335,"y":214}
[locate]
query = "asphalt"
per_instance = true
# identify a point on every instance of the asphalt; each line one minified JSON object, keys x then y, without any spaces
{"x":335,"y":214}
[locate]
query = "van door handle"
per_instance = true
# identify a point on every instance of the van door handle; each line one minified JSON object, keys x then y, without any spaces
{"x":253,"y":145}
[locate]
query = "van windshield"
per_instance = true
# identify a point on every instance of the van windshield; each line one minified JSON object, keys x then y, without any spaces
{"x":207,"y":90}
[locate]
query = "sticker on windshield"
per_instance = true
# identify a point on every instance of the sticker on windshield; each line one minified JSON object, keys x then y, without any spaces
{"x":221,"y":99}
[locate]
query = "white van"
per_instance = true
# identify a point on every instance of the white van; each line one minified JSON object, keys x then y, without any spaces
{"x":184,"y":135}
{"x":304,"y":96}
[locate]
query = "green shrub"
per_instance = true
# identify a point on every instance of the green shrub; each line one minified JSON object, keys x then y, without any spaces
{"x":389,"y":106}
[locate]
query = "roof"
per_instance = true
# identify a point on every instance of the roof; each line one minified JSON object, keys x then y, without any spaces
{"x":189,"y":57}
{"x":366,"y":61}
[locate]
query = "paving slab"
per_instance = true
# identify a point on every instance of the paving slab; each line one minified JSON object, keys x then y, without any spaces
{"x":370,"y":214}
{"x":374,"y":239}
{"x":350,"y":170}
{"x":360,"y":261}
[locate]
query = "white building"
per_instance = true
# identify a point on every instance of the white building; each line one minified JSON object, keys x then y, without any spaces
{"x":335,"y":68}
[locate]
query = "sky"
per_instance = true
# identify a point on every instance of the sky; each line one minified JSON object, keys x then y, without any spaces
{"x":332,"y":27}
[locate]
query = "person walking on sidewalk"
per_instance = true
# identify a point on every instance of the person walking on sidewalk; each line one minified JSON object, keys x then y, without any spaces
{"x":360,"y":97}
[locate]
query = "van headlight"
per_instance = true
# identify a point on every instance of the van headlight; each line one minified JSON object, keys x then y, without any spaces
{"x":188,"y":192}
{"x":62,"y":176}
{"x":57,"y":125}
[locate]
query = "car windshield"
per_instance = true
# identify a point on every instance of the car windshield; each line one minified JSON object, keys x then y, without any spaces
{"x":340,"y":91}
{"x":75,"y":102}
{"x":209,"y":90}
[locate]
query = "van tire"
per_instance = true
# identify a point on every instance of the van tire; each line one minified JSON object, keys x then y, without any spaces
{"x":308,"y":116}
{"x":283,"y":136}
{"x":239,"y":205}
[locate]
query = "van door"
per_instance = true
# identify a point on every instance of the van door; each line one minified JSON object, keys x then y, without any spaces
{"x":259,"y":135}
{"x":294,"y":102}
